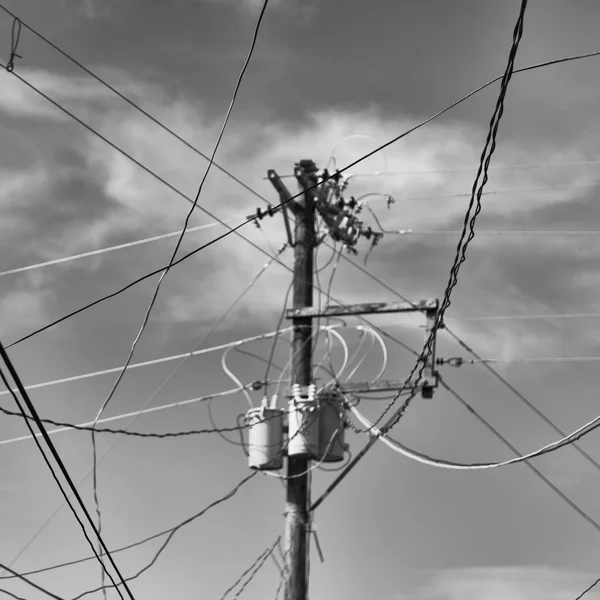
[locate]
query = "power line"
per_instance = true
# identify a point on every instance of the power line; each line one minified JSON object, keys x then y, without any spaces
{"x":58,"y":261}
{"x":155,"y":361}
{"x":23,"y":392}
{"x":460,"y":257}
{"x":588,"y":589}
{"x":498,"y":232}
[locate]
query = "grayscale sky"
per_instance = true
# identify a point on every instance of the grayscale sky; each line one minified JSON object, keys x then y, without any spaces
{"x":322,"y":71}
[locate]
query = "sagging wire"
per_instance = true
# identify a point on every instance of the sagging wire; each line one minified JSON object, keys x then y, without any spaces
{"x":332,"y":161}
{"x":276,"y":338}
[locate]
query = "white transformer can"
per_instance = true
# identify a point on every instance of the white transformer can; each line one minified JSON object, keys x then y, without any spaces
{"x":303,"y":428}
{"x":331,"y":429}
{"x":265,"y":438}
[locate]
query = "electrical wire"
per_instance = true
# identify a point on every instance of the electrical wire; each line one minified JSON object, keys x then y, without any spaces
{"x":589,"y":589}
{"x":460,"y":257}
{"x":155,"y":238}
{"x":276,"y":338}
{"x":63,"y":427}
{"x":15,"y":376}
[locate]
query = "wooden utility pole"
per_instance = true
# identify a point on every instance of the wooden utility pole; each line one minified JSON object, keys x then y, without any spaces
{"x":298,"y":482}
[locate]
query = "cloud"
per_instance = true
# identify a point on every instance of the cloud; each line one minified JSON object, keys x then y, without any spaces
{"x":500,"y":583}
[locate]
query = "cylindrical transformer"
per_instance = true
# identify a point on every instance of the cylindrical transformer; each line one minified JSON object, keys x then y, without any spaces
{"x":331,"y":430}
{"x":303,"y":428}
{"x":265,"y":438}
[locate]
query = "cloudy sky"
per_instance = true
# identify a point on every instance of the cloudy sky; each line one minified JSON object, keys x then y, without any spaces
{"x":321,"y":72}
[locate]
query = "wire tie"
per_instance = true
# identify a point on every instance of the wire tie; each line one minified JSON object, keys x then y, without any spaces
{"x":15,"y":36}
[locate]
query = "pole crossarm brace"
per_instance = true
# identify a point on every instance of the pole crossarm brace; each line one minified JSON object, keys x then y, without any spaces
{"x":363,"y":308}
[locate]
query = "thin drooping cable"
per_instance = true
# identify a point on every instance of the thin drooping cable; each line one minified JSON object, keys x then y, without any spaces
{"x":589,"y":589}
{"x":564,"y":497}
{"x":171,"y":260}
{"x":276,"y":338}
{"x":23,"y":578}
{"x":87,"y":426}
{"x":531,"y":359}
{"x":23,"y":392}
{"x":164,"y":236}
{"x":183,"y":360}
{"x":460,"y":257}
{"x":150,"y":538}
{"x":521,"y":397}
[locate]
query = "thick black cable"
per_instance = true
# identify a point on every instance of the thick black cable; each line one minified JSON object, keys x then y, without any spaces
{"x":460,"y":257}
{"x":61,"y":465}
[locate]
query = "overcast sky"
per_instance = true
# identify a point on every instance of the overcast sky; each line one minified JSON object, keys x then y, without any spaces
{"x":322,"y":71}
